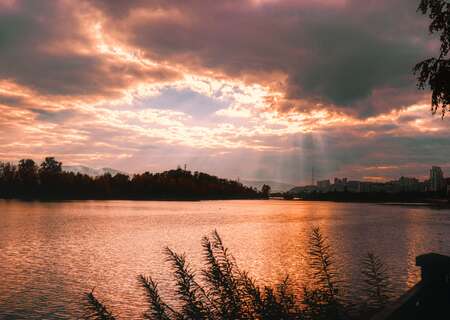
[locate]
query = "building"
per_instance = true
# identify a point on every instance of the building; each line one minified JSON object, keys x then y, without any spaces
{"x":353,"y":186}
{"x":409,"y":184}
{"x":437,"y":182}
{"x":447,"y":183}
{"x":324,"y":185}
{"x":339,"y":185}
{"x":366,"y":186}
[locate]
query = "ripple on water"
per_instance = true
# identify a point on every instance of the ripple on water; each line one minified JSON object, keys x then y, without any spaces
{"x":51,"y":253}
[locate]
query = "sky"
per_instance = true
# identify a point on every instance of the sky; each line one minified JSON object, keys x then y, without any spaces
{"x":249,"y":89}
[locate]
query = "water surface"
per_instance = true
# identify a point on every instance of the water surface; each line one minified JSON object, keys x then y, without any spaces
{"x":50,"y":253}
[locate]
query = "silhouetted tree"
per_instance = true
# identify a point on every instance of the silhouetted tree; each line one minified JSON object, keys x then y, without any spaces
{"x":50,"y":166}
{"x":50,"y":182}
{"x":265,"y":190}
{"x":49,"y":175}
{"x":8,"y":180}
{"x":27,"y":173}
{"x":435,"y":72}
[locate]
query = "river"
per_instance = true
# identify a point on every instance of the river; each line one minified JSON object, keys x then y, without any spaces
{"x":53,"y":252}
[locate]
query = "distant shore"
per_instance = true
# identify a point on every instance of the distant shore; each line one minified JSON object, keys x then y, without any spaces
{"x":48,"y":182}
{"x":413,"y":199}
{"x":187,"y":199}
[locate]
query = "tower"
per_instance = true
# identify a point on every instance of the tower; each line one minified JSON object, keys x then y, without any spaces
{"x":436,"y":179}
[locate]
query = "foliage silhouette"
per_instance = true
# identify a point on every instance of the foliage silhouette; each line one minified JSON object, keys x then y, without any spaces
{"x":224,"y":291}
{"x":189,"y":292}
{"x":265,"y":190}
{"x":322,"y":264}
{"x":27,"y":176}
{"x":435,"y":72}
{"x":158,"y":309}
{"x":324,"y":297}
{"x":28,"y":181}
{"x":376,"y":280}
{"x":96,"y":310}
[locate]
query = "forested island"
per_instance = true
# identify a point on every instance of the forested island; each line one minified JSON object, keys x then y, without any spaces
{"x":48,"y":181}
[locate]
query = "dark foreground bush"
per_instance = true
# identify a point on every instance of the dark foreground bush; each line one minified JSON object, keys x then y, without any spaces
{"x":223,"y":291}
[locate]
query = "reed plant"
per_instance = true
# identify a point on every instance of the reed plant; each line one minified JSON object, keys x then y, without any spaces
{"x":223,"y":291}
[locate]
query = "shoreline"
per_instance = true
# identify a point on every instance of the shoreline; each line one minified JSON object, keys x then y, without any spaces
{"x":417,"y":204}
{"x":127,"y":199}
{"x":437,"y":204}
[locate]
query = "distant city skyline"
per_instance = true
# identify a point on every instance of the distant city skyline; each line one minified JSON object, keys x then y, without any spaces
{"x":436,"y":182}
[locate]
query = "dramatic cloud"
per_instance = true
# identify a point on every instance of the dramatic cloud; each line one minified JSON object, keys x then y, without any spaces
{"x":51,"y":46}
{"x":256,"y":89}
{"x":340,"y":53}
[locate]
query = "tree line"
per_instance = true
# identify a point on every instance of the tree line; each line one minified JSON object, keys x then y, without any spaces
{"x":27,"y":180}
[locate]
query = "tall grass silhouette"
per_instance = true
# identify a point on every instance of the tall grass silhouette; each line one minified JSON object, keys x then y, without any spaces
{"x":96,"y":310}
{"x":376,"y":281}
{"x":222,"y":291}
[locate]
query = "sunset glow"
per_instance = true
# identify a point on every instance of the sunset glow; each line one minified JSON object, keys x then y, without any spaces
{"x":149,"y":85}
{"x":224,"y":159}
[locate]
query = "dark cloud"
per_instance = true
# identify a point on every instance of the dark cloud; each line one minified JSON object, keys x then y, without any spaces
{"x":54,"y":116}
{"x":408,"y":118}
{"x":354,"y":55}
{"x":12,"y":101}
{"x":334,"y":52}
{"x":45,"y":46}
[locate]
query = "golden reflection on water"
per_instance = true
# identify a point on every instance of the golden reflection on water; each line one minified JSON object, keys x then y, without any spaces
{"x":50,"y":253}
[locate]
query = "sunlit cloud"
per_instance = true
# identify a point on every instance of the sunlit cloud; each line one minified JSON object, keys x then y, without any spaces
{"x":257,"y":90}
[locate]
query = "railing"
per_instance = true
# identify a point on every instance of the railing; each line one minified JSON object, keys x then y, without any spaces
{"x":429,"y":298}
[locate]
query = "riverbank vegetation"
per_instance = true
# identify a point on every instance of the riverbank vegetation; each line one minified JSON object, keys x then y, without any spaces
{"x":27,"y":180}
{"x":221,"y":290}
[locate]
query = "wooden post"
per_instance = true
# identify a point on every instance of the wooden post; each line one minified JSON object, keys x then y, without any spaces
{"x":434,"y":301}
{"x":429,"y":299}
{"x":435,"y":268}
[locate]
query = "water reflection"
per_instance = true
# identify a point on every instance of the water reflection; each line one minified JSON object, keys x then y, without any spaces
{"x":51,"y":253}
